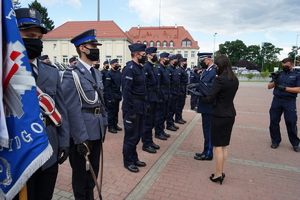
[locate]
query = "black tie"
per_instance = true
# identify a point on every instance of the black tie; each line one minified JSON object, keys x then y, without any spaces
{"x":34,"y":70}
{"x":93,"y":73}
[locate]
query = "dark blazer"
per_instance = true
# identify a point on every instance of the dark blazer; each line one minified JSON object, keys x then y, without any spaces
{"x":48,"y":80}
{"x":223,"y":92}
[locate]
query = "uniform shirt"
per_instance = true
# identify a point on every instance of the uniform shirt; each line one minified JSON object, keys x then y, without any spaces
{"x":208,"y":76}
{"x":151,"y":82}
{"x":195,"y":77}
{"x":133,"y":84}
{"x":292,"y":79}
{"x":174,"y":80}
{"x":163,"y":75}
{"x":112,"y":85}
{"x":104,"y":71}
{"x":183,"y":77}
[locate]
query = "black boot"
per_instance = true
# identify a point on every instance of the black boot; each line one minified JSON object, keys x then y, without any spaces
{"x":89,"y":195}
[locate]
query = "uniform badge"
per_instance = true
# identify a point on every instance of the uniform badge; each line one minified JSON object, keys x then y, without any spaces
{"x":82,"y":70}
{"x":32,"y":13}
{"x":95,"y":32}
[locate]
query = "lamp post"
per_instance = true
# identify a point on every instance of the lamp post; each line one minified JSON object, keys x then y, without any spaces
{"x":296,"y":50}
{"x":214,"y":46}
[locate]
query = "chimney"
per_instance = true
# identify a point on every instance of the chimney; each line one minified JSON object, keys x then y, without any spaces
{"x":175,"y":25}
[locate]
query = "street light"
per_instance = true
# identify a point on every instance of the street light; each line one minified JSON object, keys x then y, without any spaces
{"x":296,"y":50}
{"x":214,"y":46}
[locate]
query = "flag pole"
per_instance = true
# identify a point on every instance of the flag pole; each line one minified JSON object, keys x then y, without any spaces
{"x":23,"y":193}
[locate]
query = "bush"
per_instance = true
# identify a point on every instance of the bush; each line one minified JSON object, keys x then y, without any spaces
{"x":265,"y":74}
{"x":249,"y":76}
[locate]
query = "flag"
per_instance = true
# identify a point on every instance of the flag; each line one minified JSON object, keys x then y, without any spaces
{"x":28,"y":147}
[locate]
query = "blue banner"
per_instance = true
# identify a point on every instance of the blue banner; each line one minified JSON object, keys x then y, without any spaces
{"x":28,"y":147}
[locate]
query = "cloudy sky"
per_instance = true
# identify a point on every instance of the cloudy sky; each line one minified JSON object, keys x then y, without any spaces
{"x":253,"y":22}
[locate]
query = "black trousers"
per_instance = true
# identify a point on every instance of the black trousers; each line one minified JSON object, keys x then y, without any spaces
{"x":82,"y":179}
{"x":40,"y":185}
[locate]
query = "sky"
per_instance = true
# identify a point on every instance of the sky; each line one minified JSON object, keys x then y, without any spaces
{"x":210,"y":22}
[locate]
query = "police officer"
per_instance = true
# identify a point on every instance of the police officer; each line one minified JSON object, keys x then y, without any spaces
{"x":105,"y":69}
{"x":134,"y":105}
{"x":40,"y":185}
{"x":194,"y":78}
{"x":207,"y":77}
{"x":96,"y":64}
{"x":174,"y":93}
{"x":183,"y":76}
{"x":73,"y":61}
{"x":152,"y":99}
{"x":45,"y":58}
{"x":163,"y":75}
{"x":83,"y":93}
{"x":113,"y":95}
{"x":286,"y":86}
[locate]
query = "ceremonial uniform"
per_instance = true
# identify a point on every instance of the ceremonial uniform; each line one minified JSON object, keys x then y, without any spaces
{"x":83,"y":93}
{"x":152,"y":99}
{"x":134,"y":94}
{"x":195,"y":77}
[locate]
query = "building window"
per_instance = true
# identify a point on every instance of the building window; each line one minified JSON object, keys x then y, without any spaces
{"x":138,"y":41}
{"x":65,"y":60}
{"x":158,"y":43}
{"x":143,"y":37}
{"x":171,"y":53}
{"x":157,"y":53}
{"x":54,"y":59}
{"x":192,"y":54}
{"x":178,"y":52}
{"x":186,"y":54}
{"x":145,"y":43}
{"x":171,"y":44}
{"x":183,"y":43}
{"x":188,"y":43}
{"x":120,"y":60}
{"x":164,"y":44}
{"x":151,"y":44}
{"x":54,"y":46}
{"x":108,"y":58}
{"x":192,"y":64}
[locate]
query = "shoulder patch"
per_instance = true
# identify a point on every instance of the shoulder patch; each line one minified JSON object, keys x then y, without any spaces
{"x":128,"y":77}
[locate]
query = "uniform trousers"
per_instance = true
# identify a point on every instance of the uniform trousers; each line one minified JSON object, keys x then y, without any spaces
{"x":40,"y":185}
{"x":194,"y":101}
{"x":132,"y":136}
{"x":160,"y":117}
{"x":288,"y":108}
{"x":172,"y":109}
{"x":206,"y":127}
{"x":113,"y":111}
{"x":180,"y":106}
{"x":147,"y":137}
{"x":82,"y":179}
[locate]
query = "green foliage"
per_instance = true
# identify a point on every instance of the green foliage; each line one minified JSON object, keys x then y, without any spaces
{"x":235,"y":50}
{"x":46,"y":21}
{"x":16,"y":4}
{"x":293,"y":53}
{"x":265,"y":74}
{"x":250,"y":76}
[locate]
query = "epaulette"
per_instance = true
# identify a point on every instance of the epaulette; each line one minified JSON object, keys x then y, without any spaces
{"x":80,"y":69}
{"x":48,"y":64}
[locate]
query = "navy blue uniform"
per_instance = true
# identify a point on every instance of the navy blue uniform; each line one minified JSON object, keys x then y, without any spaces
{"x":134,"y":104}
{"x":207,"y":77}
{"x":113,"y":96}
{"x":163,"y":75}
{"x":285,"y":102}
{"x":194,"y":78}
{"x":152,"y":97}
{"x":174,"y":93}
{"x":183,"y":76}
{"x":104,"y":72}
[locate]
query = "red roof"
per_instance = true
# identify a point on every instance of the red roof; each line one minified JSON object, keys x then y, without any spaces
{"x":176,"y":34}
{"x":105,"y":29}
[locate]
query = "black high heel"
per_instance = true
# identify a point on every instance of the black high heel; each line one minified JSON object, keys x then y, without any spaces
{"x":221,"y":178}
{"x":223,"y":174}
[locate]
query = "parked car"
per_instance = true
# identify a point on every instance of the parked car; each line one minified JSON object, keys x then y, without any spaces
{"x":254,"y":72}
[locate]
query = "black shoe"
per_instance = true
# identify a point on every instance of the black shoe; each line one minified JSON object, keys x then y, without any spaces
{"x":112,"y":130}
{"x":171,"y":128}
{"x":132,"y":168}
{"x":175,"y":126}
{"x":198,"y":154}
{"x":183,"y":120}
{"x":140,"y":163}
{"x":149,"y":149}
{"x":166,"y":134}
{"x":179,"y":121}
{"x":118,"y":128}
{"x":221,"y":178}
{"x":155,"y":146}
{"x":274,"y":145}
{"x":195,"y":109}
{"x":161,"y":137}
{"x":203,"y":157}
{"x":296,"y":148}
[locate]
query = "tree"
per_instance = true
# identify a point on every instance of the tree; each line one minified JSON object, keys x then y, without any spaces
{"x":269,"y":53}
{"x":46,"y":21}
{"x":254,"y":55}
{"x":293,"y":53}
{"x":16,"y":4}
{"x":235,"y":50}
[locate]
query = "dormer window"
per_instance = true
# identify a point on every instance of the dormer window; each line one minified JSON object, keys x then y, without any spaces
{"x":164,"y":44}
{"x":151,"y":44}
{"x":138,"y":41}
{"x":186,"y":43}
{"x":145,"y":43}
{"x":158,"y":44}
{"x":171,"y":44}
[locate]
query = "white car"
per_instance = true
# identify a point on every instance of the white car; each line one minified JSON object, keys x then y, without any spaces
{"x":254,"y":72}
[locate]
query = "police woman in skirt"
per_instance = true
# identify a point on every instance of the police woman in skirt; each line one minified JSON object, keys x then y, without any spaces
{"x":223,"y":112}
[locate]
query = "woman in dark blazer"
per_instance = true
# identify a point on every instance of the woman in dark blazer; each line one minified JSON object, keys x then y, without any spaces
{"x":223,"y":112}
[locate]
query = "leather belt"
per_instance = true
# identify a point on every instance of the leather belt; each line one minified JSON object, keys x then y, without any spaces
{"x":284,"y":97}
{"x":95,"y":111}
{"x":47,"y":121}
{"x":175,"y":86}
{"x":183,"y":83}
{"x":139,"y":97}
{"x":153,"y":89}
{"x":115,"y":91}
{"x":165,"y":86}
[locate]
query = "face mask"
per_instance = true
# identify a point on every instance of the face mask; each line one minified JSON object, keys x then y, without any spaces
{"x":94,"y":54}
{"x":286,"y":69}
{"x":107,"y":67}
{"x":175,"y":64}
{"x":97,"y":66}
{"x":142,"y":60}
{"x":166,"y":62}
{"x":184,"y":66}
{"x":116,"y":67}
{"x":33,"y":47}
{"x":203,"y":65}
{"x":195,"y":70}
{"x":154,"y":59}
